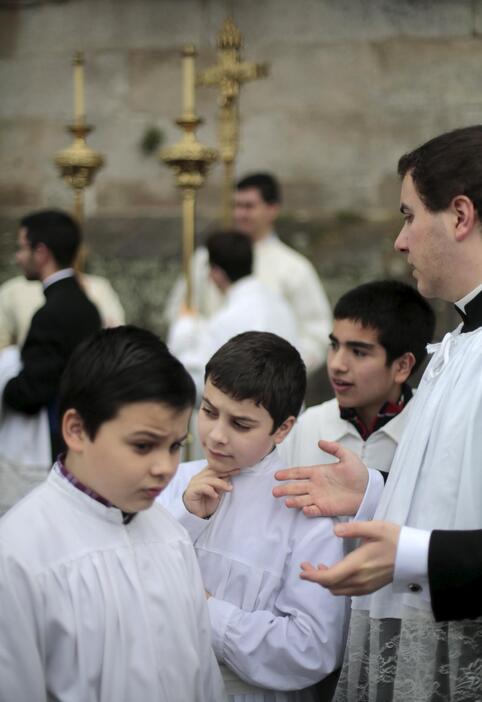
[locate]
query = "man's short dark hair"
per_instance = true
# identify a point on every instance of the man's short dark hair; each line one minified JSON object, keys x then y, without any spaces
{"x":232,"y":252}
{"x":118,"y":367}
{"x":57,"y":230}
{"x":447,"y":166}
{"x":262,"y":367}
{"x":267,"y":185}
{"x":403,"y":319}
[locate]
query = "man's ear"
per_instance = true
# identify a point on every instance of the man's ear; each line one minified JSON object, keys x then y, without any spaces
{"x":283,"y":430}
{"x":403,"y":367}
{"x":73,"y":430}
{"x":465,"y":216}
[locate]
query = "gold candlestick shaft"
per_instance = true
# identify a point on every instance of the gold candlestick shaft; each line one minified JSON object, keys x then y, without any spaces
{"x":188,"y":71}
{"x":188,"y":230}
{"x":79,"y":88}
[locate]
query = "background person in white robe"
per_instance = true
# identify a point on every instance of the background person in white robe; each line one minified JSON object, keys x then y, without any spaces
{"x":100,"y":594}
{"x":248,"y":305}
{"x":21,"y":298}
{"x":257,"y":201}
{"x":378,"y":341}
{"x":276,"y":634}
{"x":419,"y":635}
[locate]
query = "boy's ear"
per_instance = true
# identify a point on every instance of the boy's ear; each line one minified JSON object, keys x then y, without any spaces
{"x":283,"y":430}
{"x":73,"y":430}
{"x":403,"y":367}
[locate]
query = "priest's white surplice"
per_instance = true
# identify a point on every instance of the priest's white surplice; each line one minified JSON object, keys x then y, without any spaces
{"x":276,"y":633}
{"x":396,"y":650}
{"x":95,"y":610}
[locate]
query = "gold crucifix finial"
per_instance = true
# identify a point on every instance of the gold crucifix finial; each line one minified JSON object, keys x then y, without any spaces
{"x":228,"y":74}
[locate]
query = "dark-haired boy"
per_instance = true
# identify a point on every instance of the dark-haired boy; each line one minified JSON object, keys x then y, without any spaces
{"x":379,"y":338}
{"x":275,"y":637}
{"x":100,"y":594}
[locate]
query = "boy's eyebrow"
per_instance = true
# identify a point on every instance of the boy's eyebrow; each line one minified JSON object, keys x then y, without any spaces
{"x":238,"y":417}
{"x":354,"y":344}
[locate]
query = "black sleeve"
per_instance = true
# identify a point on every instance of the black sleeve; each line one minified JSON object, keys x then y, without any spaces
{"x":455,"y":574}
{"x":43,"y":360}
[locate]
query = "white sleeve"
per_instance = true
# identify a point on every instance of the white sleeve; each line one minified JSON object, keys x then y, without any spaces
{"x":371,"y":497}
{"x":411,"y":563}
{"x":7,"y":331}
{"x":22,"y":676}
{"x":301,"y":640}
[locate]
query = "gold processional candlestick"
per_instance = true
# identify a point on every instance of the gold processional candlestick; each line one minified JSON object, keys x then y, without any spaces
{"x":228,"y":75}
{"x":78,"y":163}
{"x":190,"y":161}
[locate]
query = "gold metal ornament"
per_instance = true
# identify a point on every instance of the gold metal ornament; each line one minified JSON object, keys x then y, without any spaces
{"x":78,"y":163}
{"x":228,"y":75}
{"x":190,"y":161}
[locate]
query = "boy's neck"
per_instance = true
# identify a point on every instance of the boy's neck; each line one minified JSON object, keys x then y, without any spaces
{"x":369,"y":420}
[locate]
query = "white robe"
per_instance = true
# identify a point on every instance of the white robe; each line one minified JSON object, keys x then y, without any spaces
{"x":249,"y":306}
{"x":396,"y":650}
{"x":25,"y":453}
{"x":92,"y":610}
{"x":286,"y":272}
{"x":275,"y":632}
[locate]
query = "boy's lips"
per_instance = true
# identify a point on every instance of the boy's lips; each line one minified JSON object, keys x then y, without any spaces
{"x":341,"y":385}
{"x":217,"y":454}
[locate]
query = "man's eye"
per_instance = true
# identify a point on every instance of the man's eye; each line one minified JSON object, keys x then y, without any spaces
{"x":359,"y":354}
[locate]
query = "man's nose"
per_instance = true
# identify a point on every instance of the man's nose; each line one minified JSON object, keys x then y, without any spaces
{"x":338,"y":360}
{"x":400,"y":243}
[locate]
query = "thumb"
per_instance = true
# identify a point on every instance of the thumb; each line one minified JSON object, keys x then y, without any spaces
{"x":333,"y":448}
{"x":357,"y":530}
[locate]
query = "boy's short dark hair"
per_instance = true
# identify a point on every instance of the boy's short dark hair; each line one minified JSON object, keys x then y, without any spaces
{"x":262,"y":367}
{"x":447,"y":166}
{"x":118,"y":367}
{"x":231,"y":251}
{"x":267,"y":185}
{"x":402,"y":317}
{"x":57,"y":230}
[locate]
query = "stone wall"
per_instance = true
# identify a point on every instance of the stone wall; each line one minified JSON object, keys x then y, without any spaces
{"x":353,"y":84}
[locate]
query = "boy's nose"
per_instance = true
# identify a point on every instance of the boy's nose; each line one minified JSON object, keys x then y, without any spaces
{"x":338,"y":361}
{"x":218,"y":434}
{"x":162,"y":466}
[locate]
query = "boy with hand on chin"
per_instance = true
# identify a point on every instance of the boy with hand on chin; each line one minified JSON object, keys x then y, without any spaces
{"x":100,"y":593}
{"x":275,"y":635}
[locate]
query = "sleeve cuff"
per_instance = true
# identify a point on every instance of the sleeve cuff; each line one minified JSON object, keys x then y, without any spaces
{"x":371,"y":497}
{"x":192,"y":524}
{"x":220,"y":612}
{"x":411,"y":563}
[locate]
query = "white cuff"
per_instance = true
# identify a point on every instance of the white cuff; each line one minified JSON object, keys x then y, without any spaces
{"x":411,"y":563}
{"x":220,"y":613}
{"x":371,"y":497}
{"x":193,"y":524}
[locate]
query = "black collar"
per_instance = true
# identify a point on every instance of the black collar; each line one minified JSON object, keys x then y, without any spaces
{"x":472,"y":317}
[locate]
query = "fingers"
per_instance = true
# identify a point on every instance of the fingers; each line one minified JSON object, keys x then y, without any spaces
{"x":361,"y":530}
{"x":304,"y":473}
{"x":337,"y":450}
{"x":298,"y":488}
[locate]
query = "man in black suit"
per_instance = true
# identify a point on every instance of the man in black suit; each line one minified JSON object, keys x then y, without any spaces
{"x":48,"y":242}
{"x":422,"y":558}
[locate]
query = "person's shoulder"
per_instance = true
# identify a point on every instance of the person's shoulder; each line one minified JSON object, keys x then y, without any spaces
{"x":320,"y":414}
{"x":288,"y":253}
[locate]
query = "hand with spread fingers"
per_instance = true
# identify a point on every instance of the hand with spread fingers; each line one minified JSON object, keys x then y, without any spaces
{"x":364,"y":570}
{"x":329,"y":490}
{"x":205,"y":489}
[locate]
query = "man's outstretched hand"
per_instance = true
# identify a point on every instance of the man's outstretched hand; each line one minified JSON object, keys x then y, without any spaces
{"x":328,"y":490}
{"x":364,"y":570}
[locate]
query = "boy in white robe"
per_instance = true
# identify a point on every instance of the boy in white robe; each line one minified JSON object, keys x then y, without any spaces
{"x":275,"y":636}
{"x":378,"y":341}
{"x":100,"y":593}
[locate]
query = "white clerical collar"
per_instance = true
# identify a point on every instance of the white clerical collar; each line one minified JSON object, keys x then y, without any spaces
{"x":58,"y":275}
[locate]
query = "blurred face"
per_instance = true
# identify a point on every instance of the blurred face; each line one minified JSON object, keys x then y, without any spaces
{"x":234,"y":433}
{"x":425,"y":239}
{"x":25,"y":256}
{"x":252,"y":215}
{"x":133,"y":456}
{"x":357,"y":369}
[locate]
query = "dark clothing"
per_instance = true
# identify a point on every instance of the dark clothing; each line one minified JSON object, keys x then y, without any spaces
{"x":67,"y":318}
